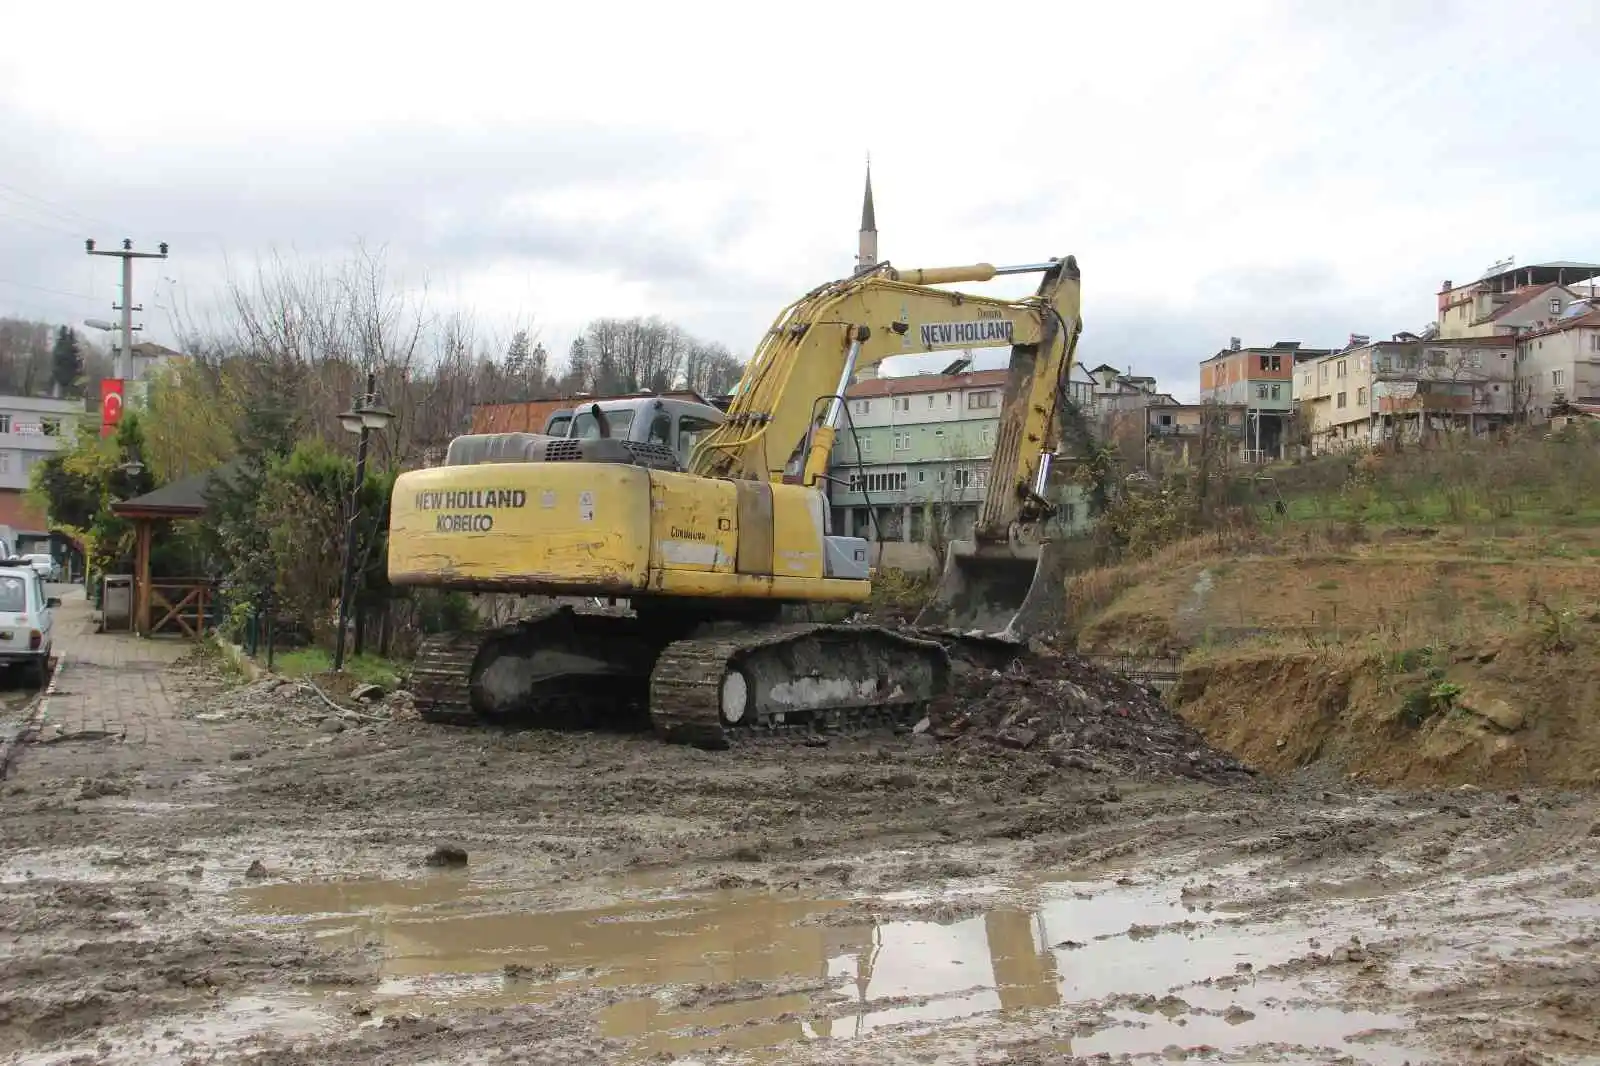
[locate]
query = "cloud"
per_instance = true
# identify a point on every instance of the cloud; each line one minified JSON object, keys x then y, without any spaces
{"x":1266,"y":171}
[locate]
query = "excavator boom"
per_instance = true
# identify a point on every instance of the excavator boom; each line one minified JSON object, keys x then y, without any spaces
{"x":1004,"y":580}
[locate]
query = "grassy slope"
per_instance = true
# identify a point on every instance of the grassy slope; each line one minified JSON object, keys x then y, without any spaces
{"x":1422,"y":621}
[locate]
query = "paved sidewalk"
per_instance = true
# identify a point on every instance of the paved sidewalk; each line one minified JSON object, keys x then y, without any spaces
{"x":111,"y":706}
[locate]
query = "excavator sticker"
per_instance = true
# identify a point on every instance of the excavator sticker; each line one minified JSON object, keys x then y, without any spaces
{"x":994,"y":331}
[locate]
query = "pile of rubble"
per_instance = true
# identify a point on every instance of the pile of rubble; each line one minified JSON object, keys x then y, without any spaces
{"x":1084,"y":716}
{"x":281,"y":699}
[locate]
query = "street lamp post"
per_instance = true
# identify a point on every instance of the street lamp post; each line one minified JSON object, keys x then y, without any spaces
{"x":362,"y":418}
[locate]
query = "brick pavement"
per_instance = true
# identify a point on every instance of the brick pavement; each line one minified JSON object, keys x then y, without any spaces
{"x":113,"y":707}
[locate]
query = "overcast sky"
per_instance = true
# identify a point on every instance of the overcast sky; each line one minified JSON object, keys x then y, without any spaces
{"x":1266,"y":170}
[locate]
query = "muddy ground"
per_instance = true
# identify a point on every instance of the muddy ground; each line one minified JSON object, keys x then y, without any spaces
{"x":289,"y":890}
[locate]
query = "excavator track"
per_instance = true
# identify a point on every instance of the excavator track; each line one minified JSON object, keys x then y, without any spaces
{"x":802,"y":677}
{"x":441,"y":678}
{"x":452,"y":680}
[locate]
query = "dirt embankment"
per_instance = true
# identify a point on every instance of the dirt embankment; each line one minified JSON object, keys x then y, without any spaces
{"x":1419,"y":656}
{"x":1518,"y":709}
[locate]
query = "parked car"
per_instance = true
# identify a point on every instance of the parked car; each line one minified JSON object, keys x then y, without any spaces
{"x":47,"y":568}
{"x":26,"y":620}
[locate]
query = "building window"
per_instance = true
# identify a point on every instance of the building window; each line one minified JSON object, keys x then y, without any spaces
{"x":963,"y":478}
{"x":1277,"y":392}
{"x":878,"y":482}
{"x":902,"y":442}
{"x":5,"y":462}
{"x":1341,"y":402}
{"x":902,"y":403}
{"x":930,"y":402}
{"x":922,"y":476}
{"x":1558,"y":378}
{"x":50,"y":427}
{"x":980,"y":400}
{"x":1594,"y":346}
{"x":863,"y":407}
{"x":988,"y":436}
{"x":1343,"y":368}
{"x":1272,"y":362}
{"x":938,"y":434}
{"x":1361,"y":397}
{"x":1261,"y":392}
{"x":1555,"y":305}
{"x":949,"y":399}
{"x":866,"y":445}
{"x":1322,"y":373}
{"x":5,"y":423}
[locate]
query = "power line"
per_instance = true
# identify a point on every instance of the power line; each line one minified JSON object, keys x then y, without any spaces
{"x":43,"y":288}
{"x":62,"y":211}
{"x":52,"y":225}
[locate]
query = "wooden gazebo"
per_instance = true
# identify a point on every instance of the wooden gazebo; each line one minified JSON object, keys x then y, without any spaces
{"x":184,"y":602}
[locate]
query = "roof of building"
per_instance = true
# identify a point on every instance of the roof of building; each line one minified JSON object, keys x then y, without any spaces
{"x":530,"y":416}
{"x":48,"y":404}
{"x":1557,"y":270}
{"x":1522,"y":297}
{"x":1588,"y":321}
{"x":185,"y":498}
{"x":1276,"y":348}
{"x":152,"y":350}
{"x":913,"y":384}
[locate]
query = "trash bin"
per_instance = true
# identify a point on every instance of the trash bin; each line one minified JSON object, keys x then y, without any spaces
{"x":116,"y":602}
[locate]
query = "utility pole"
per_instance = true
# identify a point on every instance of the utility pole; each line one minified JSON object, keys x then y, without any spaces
{"x":127,"y":255}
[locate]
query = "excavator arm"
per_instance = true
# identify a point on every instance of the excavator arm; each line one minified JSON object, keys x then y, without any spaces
{"x":792,"y":395}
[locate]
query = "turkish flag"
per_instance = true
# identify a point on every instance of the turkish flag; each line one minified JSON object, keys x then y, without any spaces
{"x":110,"y":405}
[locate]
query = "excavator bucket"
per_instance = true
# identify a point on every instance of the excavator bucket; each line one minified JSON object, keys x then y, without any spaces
{"x":1000,"y":591}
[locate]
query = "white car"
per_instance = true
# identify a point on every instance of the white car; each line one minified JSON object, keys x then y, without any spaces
{"x":26,"y":620}
{"x":44,"y":565}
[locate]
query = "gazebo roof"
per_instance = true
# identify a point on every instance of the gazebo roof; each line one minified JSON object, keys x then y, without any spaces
{"x":185,"y":498}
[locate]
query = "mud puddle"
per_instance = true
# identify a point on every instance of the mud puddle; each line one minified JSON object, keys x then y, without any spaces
{"x":1138,"y":969}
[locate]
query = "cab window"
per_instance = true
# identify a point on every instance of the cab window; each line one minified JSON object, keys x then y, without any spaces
{"x":660,"y":430}
{"x":617,"y":422}
{"x":690,"y":430}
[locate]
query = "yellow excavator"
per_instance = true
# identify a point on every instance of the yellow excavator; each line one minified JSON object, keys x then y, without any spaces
{"x":710,"y":557}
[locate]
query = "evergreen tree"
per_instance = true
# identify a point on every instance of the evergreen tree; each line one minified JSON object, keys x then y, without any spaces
{"x":66,"y":360}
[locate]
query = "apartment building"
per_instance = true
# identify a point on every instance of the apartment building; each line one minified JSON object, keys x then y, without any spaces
{"x":1108,"y":391}
{"x":911,"y":461}
{"x":1509,"y":300}
{"x":1406,"y":388}
{"x":1261,"y":382}
{"x":32,"y":428}
{"x":1176,"y":431}
{"x":1559,"y":365}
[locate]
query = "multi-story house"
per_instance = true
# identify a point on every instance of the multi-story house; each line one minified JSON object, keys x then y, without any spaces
{"x":1177,"y":431}
{"x":1261,"y":382}
{"x":1510,"y":300}
{"x":911,"y":461}
{"x":1110,"y":391}
{"x":32,"y":428}
{"x":1405,"y":388}
{"x":1560,"y":364}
